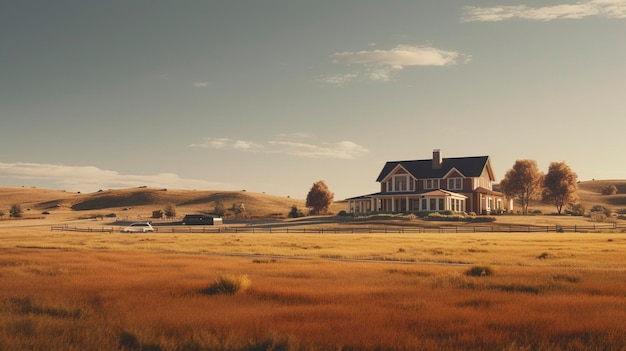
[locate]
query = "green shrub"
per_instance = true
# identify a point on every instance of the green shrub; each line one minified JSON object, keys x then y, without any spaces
{"x":228,"y":284}
{"x":479,"y":271}
{"x":295,"y":212}
{"x":15,"y":211}
{"x":481,"y":219}
{"x":600,"y":209}
{"x":575,"y":209}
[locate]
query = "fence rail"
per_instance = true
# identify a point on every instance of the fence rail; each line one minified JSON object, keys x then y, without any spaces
{"x":445,"y":229}
{"x":66,"y":228}
{"x":361,"y":230}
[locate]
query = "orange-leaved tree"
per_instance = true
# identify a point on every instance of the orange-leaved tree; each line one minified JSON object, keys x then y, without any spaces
{"x":319,"y":198}
{"x":523,"y":182}
{"x":559,"y":185}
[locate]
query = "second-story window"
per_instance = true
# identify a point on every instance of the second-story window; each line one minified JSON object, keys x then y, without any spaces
{"x":431,"y":184}
{"x":400,"y":183}
{"x":455,"y":183}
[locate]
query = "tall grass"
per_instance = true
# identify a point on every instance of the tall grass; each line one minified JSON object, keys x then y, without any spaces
{"x":113,"y":299}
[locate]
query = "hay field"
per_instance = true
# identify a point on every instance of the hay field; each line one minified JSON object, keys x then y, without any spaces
{"x":112,"y":291}
{"x":93,"y":291}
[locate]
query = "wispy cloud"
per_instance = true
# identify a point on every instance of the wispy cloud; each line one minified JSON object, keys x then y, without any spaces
{"x":90,"y":178}
{"x":381,"y":65}
{"x":229,"y":144}
{"x":338,"y":150}
{"x":201,"y":84}
{"x":578,"y":10}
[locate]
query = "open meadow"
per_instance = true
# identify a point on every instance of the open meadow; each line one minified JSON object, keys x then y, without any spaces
{"x":483,"y":291}
{"x":318,"y":290}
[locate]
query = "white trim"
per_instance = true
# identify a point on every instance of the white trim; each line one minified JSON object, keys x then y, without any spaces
{"x":454,"y":183}
{"x":454,"y":169}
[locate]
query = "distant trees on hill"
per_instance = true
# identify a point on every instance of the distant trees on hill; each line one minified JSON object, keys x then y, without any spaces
{"x":15,"y":211}
{"x":609,"y":190}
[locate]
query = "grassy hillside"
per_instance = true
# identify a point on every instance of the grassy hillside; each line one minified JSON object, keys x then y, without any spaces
{"x":590,"y":194}
{"x":140,"y":202}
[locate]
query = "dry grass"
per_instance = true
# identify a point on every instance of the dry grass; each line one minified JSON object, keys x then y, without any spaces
{"x":566,"y":250}
{"x":94,"y":291}
{"x":91,"y":291}
{"x":133,"y":203}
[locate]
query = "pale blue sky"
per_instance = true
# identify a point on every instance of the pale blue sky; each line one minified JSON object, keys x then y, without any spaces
{"x":271,"y":96}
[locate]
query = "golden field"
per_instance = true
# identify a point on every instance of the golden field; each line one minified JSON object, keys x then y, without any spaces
{"x":64,"y":290}
{"x":94,"y":291}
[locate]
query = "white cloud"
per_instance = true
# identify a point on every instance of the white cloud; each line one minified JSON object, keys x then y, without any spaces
{"x":229,"y":144}
{"x":338,"y":79}
{"x":400,"y":57}
{"x":381,"y":65}
{"x":201,"y":84}
{"x":90,"y":178}
{"x":339,"y":150}
{"x":578,"y":10}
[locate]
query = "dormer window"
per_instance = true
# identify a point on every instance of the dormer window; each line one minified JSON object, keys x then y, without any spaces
{"x":455,"y":183}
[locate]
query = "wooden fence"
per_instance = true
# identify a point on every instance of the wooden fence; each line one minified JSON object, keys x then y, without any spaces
{"x":361,"y":230}
{"x":66,"y":228}
{"x":444,"y":229}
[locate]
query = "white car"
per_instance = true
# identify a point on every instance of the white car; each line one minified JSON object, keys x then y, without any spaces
{"x":139,"y":227}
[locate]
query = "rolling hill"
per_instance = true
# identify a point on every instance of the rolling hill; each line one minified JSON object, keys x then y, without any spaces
{"x":140,"y":202}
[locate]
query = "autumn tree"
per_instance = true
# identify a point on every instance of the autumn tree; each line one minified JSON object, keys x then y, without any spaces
{"x":559,"y":185}
{"x":319,"y":198}
{"x":523,"y":182}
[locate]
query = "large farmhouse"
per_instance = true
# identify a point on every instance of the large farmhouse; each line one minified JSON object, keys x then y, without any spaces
{"x":460,"y":184}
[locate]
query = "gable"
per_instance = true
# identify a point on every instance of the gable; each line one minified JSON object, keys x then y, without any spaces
{"x":454,"y":173}
{"x":398,"y":169}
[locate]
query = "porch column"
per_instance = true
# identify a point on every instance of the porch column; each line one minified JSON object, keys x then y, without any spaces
{"x":393,"y":204}
{"x":406,"y":201}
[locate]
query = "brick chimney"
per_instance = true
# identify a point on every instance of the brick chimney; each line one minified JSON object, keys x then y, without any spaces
{"x":437,"y":160}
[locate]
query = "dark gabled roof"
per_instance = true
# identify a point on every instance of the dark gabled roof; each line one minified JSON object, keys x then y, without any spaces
{"x":423,"y":169}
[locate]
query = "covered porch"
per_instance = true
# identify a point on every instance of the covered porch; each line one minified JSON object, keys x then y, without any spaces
{"x":435,"y":200}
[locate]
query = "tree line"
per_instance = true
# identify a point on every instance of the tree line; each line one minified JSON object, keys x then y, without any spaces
{"x":525,"y":182}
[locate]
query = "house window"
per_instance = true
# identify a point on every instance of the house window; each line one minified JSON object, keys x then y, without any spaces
{"x":411,"y":185}
{"x":441,"y":206}
{"x":455,"y":183}
{"x":433,"y":204}
{"x":424,"y":205}
{"x":431,"y":183}
{"x":400,"y":183}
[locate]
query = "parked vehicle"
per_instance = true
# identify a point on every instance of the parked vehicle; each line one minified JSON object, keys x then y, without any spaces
{"x":198,"y":219}
{"x":139,"y":227}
